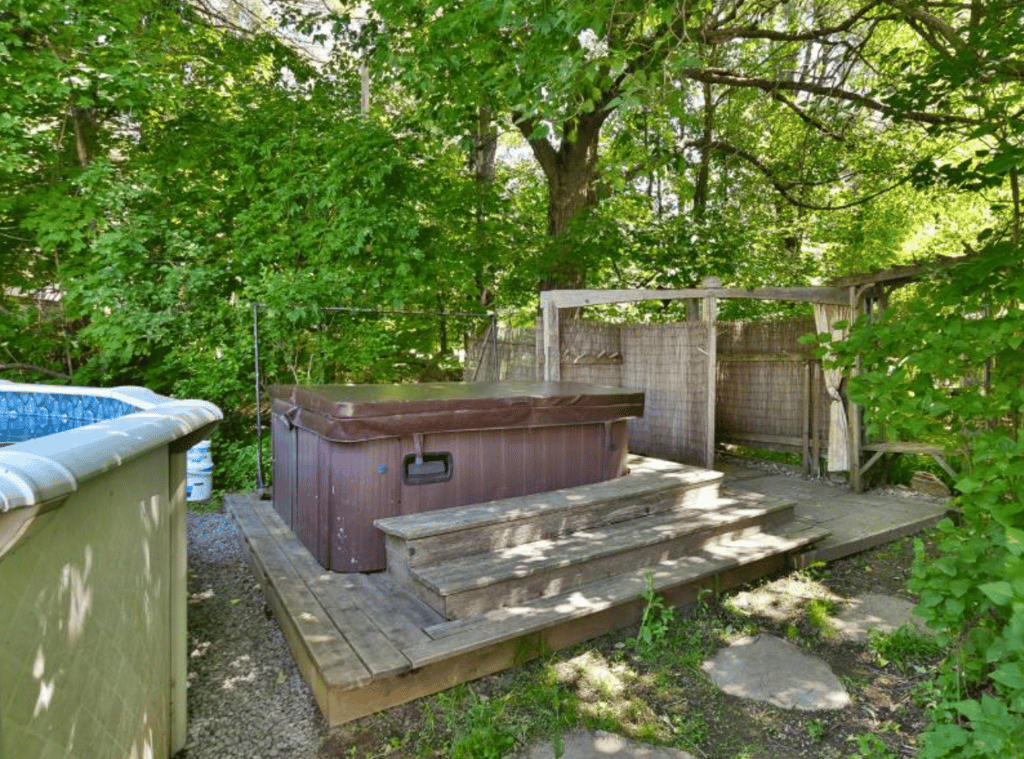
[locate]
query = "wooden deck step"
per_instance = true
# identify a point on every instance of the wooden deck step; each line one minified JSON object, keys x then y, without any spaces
{"x":436,"y":536}
{"x":614,"y":602}
{"x":475,"y":583}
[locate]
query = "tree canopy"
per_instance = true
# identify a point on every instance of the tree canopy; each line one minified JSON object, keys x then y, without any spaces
{"x":167,"y":165}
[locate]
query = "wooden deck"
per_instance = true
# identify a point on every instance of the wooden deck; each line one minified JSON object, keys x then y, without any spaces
{"x":364,"y":645}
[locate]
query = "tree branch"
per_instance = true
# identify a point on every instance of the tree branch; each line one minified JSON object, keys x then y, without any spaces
{"x":713,"y":36}
{"x":784,"y":189}
{"x":542,"y":149}
{"x":736,"y":79}
{"x":20,"y":367}
{"x":806,"y":117}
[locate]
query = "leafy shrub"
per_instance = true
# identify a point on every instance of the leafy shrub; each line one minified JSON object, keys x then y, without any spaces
{"x":950,"y":369}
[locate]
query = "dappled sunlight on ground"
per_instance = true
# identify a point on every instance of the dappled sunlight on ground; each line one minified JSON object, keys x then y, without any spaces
{"x":782,"y":600}
{"x":609,"y":692}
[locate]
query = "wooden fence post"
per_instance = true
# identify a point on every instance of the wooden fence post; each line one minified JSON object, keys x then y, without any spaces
{"x":552,"y":343}
{"x":711,"y":319}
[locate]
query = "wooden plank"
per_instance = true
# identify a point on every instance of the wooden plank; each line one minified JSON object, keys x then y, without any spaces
{"x":761,"y":358}
{"x":555,"y":502}
{"x":511,"y":622}
{"x":806,"y":442}
{"x":522,"y":560}
{"x":711,"y":317}
{"x":322,"y":653}
{"x":548,"y":525}
{"x":757,"y":437}
{"x":898,"y":447}
{"x":396,"y":612}
{"x":816,"y":416}
{"x":338,"y":594}
{"x":552,"y":342}
{"x":581,"y":298}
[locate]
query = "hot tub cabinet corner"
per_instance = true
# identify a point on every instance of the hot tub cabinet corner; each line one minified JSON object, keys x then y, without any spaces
{"x":93,"y":644}
{"x":345,"y":455}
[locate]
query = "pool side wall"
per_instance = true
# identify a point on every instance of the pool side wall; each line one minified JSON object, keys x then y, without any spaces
{"x":93,"y":595}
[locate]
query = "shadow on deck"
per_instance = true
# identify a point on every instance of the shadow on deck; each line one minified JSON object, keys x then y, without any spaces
{"x":364,"y":644}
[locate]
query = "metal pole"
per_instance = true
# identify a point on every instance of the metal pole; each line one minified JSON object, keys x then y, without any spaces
{"x":495,"y":366}
{"x":260,"y":486}
{"x":355,"y":310}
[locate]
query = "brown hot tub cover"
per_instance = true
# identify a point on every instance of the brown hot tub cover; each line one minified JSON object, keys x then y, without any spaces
{"x":353,"y":413}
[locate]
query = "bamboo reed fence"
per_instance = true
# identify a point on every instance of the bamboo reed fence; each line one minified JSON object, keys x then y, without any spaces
{"x":769,"y":392}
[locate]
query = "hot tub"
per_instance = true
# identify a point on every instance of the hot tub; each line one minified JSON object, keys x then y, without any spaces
{"x":93,"y":647}
{"x":345,"y":455}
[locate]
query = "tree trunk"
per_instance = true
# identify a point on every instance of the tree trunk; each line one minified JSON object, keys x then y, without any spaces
{"x":700,"y":189}
{"x":485,"y":146}
{"x":571,"y":173}
{"x":482,"y":164}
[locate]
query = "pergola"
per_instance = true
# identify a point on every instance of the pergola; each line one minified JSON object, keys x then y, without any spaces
{"x":843,"y":300}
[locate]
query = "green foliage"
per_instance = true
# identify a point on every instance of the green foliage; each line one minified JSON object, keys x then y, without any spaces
{"x":870,"y":746}
{"x":950,"y":369}
{"x":905,"y":648}
{"x":819,"y":617}
{"x":655,"y":621}
{"x":470,"y":725}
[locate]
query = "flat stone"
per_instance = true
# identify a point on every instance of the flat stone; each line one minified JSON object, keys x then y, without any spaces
{"x":875,"y":611}
{"x":582,"y":744}
{"x":766,"y":668}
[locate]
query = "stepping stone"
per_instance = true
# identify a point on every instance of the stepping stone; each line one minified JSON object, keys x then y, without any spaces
{"x":601,"y":745}
{"x":766,"y":668}
{"x":874,"y":611}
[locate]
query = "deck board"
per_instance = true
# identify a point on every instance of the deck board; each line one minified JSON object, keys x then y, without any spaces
{"x":856,"y":521}
{"x":363,"y":645}
{"x":339,"y":597}
{"x":311,"y":634}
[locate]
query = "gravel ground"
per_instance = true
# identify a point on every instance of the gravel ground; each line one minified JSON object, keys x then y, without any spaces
{"x":246,"y":697}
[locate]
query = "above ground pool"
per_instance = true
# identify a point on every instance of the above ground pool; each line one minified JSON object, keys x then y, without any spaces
{"x":27,"y":414}
{"x":93,"y":647}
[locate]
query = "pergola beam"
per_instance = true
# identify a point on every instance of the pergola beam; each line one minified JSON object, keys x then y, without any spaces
{"x":580,"y":298}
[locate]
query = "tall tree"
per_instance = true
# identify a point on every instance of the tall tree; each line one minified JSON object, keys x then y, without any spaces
{"x":560,"y":73}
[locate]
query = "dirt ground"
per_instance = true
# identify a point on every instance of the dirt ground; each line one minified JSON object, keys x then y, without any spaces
{"x":659,"y":694}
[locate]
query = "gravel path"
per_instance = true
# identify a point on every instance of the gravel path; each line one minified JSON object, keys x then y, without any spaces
{"x":246,"y":698}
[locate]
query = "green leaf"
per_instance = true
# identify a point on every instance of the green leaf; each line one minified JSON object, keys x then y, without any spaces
{"x":967,"y":485}
{"x":1011,"y":675}
{"x":1000,"y":593}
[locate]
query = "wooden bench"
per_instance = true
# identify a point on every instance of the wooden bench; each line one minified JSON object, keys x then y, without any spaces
{"x":878,"y":450}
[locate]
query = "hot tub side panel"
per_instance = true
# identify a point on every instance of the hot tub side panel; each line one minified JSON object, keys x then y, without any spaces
{"x":360,"y":482}
{"x":307,"y":521}
{"x":488,"y":465}
{"x":285,"y":463}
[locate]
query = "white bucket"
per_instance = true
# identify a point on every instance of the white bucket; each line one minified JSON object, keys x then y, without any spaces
{"x":198,"y":484}
{"x":199,"y":472}
{"x":198,"y":456}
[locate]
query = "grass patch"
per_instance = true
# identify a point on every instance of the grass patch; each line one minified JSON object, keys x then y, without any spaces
{"x":819,"y":617}
{"x":214,"y":504}
{"x":905,"y":648}
{"x":467,"y":723}
{"x":763,"y":454}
